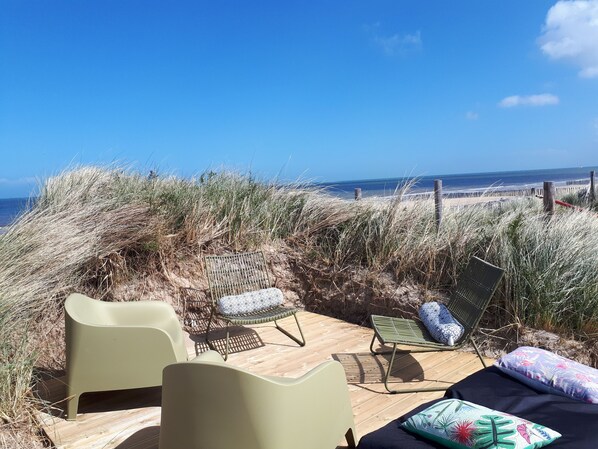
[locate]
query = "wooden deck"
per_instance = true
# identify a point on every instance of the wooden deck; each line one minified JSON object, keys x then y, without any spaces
{"x":131,"y":419}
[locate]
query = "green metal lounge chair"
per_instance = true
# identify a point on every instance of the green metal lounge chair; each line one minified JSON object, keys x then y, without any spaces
{"x":235,"y":274}
{"x":117,"y":346}
{"x":467,"y":304}
{"x":207,"y":403}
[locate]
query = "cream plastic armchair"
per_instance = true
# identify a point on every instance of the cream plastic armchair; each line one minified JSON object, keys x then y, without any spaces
{"x":117,"y":346}
{"x":207,"y":404}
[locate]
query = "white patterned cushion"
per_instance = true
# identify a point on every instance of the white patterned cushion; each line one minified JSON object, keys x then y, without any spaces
{"x":250,"y":302}
{"x":440,"y":323}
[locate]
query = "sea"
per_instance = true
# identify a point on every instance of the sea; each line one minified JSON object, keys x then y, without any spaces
{"x":460,"y":183}
{"x":10,"y":208}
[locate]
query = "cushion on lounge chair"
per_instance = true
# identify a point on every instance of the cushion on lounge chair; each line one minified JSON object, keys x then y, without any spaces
{"x":551,"y":373}
{"x":250,"y":302}
{"x":460,"y":424}
{"x":440,"y":323}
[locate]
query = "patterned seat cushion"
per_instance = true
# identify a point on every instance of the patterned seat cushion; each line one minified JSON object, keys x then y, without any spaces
{"x":460,"y":424}
{"x":551,"y":373}
{"x":440,"y":323}
{"x":250,"y":302}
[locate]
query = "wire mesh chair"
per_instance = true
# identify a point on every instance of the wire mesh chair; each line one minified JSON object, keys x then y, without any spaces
{"x":468,"y":302}
{"x":233,"y":274}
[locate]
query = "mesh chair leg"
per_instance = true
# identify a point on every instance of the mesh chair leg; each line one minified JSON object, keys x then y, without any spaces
{"x":477,"y":351}
{"x":292,"y":337}
{"x":227,"y":339}
{"x":391,"y":363}
{"x":372,"y":346}
{"x":208,"y":330}
{"x":209,"y":343}
{"x":410,"y":390}
{"x":209,"y":325}
{"x":392,"y":360}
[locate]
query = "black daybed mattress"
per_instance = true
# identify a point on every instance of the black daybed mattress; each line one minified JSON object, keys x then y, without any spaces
{"x":576,"y":421}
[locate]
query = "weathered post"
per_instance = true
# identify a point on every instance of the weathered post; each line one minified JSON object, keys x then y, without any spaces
{"x":549,"y":194}
{"x":357,"y":193}
{"x":592,"y":191}
{"x":438,"y":201}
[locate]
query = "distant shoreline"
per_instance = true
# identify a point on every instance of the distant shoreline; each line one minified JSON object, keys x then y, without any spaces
{"x":486,"y":197}
{"x":514,"y":183}
{"x":561,"y":188}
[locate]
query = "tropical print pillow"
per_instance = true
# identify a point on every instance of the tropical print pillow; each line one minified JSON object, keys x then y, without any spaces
{"x":552,"y":373}
{"x":461,"y":424}
{"x":440,"y":323}
{"x":250,"y":302}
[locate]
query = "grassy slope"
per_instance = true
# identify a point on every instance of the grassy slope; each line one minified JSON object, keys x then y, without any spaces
{"x":92,"y":228}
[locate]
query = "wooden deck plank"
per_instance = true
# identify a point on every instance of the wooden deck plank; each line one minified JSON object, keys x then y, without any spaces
{"x":131,"y":419}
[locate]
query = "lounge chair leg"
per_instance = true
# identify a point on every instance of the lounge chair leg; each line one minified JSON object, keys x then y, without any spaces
{"x":390,"y":364}
{"x":372,"y":345}
{"x":227,"y":338}
{"x":350,"y":437}
{"x":209,"y":325}
{"x":292,"y":337}
{"x":208,"y":330}
{"x":478,"y":352}
{"x":392,"y":360}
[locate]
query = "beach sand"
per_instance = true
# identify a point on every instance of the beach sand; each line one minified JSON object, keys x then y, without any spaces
{"x":467,"y":201}
{"x":450,"y":203}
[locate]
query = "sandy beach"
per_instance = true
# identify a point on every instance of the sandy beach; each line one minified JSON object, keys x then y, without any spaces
{"x":468,"y":201}
{"x":453,"y":202}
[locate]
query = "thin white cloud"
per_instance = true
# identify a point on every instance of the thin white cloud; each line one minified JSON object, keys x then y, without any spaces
{"x":399,"y":44}
{"x":395,"y":44}
{"x":529,"y":100}
{"x":571,"y":33}
{"x":471,"y":115}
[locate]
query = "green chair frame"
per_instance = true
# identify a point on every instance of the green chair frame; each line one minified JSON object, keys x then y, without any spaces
{"x":468,"y":302}
{"x":233,"y":274}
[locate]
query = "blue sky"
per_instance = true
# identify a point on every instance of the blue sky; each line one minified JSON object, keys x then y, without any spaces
{"x":321,"y":90}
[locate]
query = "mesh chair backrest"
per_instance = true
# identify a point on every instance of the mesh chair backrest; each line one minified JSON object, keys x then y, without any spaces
{"x":233,"y":274}
{"x":475,"y":288}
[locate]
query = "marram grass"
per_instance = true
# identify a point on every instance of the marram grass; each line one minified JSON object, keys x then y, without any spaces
{"x":92,"y":224}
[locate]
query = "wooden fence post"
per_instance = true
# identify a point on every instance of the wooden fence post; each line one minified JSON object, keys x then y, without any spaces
{"x":438,"y":201}
{"x":357,"y":193}
{"x":549,"y":193}
{"x":533,"y":191}
{"x":592,"y":191}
